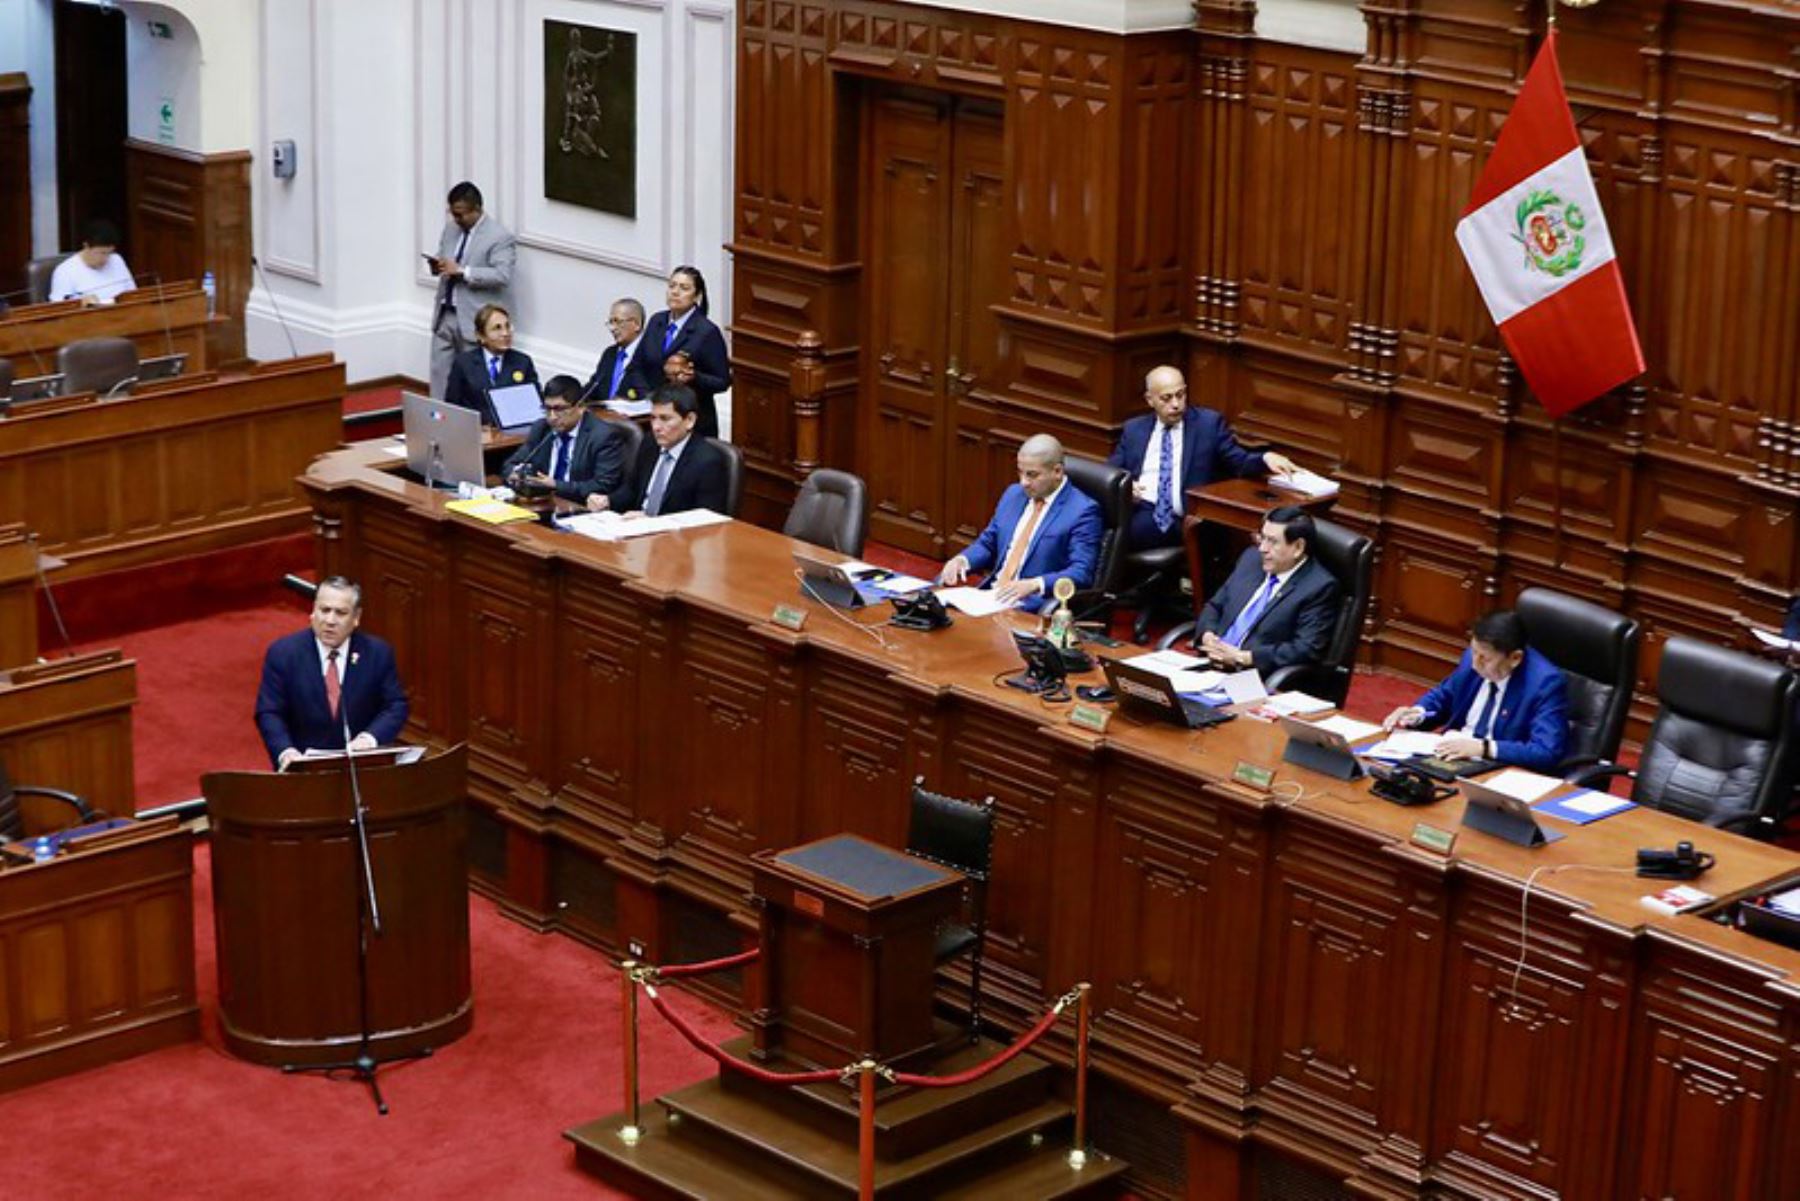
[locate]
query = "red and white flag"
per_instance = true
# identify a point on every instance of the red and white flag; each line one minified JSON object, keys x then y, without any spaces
{"x":1537,"y":243}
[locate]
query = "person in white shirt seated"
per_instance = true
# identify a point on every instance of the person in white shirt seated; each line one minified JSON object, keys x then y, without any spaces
{"x":96,"y":273}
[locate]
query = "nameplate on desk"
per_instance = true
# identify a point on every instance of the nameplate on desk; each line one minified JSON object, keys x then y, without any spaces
{"x":788,"y":617}
{"x":1433,"y":839}
{"x":1090,"y":717}
{"x":1252,"y":776}
{"x":811,"y":906}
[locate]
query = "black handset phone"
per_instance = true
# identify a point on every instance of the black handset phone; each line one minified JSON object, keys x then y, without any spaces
{"x":1404,"y":784}
{"x":920,"y":611}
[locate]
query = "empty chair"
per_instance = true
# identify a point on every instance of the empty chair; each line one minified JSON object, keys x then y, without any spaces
{"x":97,"y":364}
{"x":960,"y":835}
{"x":734,"y":474}
{"x":1153,"y":580}
{"x":57,"y":811}
{"x":832,"y":510}
{"x":1110,"y":488}
{"x":1597,"y":650}
{"x":1719,"y":750}
{"x":38,"y":273}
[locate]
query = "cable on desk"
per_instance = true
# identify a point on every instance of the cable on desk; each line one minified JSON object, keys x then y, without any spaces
{"x":1525,"y":913}
{"x":873,"y":631}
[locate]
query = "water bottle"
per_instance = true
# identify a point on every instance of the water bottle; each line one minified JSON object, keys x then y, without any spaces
{"x":43,"y":850}
{"x":210,"y":286}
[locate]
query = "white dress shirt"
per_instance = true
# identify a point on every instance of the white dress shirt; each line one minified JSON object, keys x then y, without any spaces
{"x":1019,"y":526}
{"x":75,"y":280}
{"x":1478,"y":707}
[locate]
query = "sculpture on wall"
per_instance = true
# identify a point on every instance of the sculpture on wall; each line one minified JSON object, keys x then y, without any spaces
{"x":590,"y":117}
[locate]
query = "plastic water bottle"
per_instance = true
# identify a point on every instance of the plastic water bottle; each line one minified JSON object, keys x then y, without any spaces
{"x":43,"y":850}
{"x":210,"y":286}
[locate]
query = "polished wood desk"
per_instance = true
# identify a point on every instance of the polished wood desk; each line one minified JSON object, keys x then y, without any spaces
{"x":19,"y":567}
{"x":1273,"y":973}
{"x":67,"y":724}
{"x":170,"y":319}
{"x":97,"y":955}
{"x":177,"y":468}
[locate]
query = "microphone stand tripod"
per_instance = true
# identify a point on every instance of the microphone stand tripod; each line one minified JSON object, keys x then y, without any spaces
{"x":368,"y":919}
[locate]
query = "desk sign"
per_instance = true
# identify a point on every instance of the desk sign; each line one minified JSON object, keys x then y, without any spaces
{"x":1252,"y":776}
{"x":1433,"y":839}
{"x":788,"y":617}
{"x":1090,"y":717}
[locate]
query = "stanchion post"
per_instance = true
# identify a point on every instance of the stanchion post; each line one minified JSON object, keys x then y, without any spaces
{"x":631,"y":1131}
{"x":865,"y":1139}
{"x":1078,"y":1152}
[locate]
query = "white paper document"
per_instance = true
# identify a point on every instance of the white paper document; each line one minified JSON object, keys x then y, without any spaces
{"x":1767,"y":638}
{"x":1349,"y":727}
{"x":1168,"y":663}
{"x":1404,"y":744}
{"x":628,"y":408}
{"x":399,"y":452}
{"x":1293,"y":704}
{"x":1594,"y":804}
{"x":1524,"y":785}
{"x":615,"y":527}
{"x":976,"y":602}
{"x":1306,"y":483}
{"x":1196,"y":681}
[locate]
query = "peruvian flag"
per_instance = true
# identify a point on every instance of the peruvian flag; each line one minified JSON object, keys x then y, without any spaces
{"x":1537,"y":243}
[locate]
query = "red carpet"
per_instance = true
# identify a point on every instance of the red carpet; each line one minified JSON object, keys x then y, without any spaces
{"x":481,"y":1118}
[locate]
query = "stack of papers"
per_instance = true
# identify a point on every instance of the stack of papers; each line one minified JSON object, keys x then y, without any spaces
{"x":628,"y":408}
{"x":1583,"y":806}
{"x":1294,"y":704}
{"x":612,"y":527}
{"x":1306,"y":483}
{"x":1349,"y":727}
{"x":1775,"y":640}
{"x":1522,"y":785}
{"x":881,"y":581}
{"x":976,"y":602}
{"x":1404,"y":744}
{"x":494,"y":512}
{"x":1167,"y":663}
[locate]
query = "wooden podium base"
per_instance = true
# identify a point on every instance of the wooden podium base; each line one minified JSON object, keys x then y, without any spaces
{"x":1006,"y":1135}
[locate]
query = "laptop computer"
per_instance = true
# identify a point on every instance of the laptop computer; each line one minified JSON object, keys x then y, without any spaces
{"x":38,"y":387}
{"x":166,"y":366}
{"x":516,"y":406}
{"x":443,"y":441}
{"x":1152,"y":697}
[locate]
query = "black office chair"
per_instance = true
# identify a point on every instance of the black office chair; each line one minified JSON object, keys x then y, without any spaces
{"x":734,"y":474}
{"x":1721,"y":746}
{"x":1110,"y":488}
{"x":633,"y":433}
{"x":959,"y":835}
{"x":1153,"y":578}
{"x":1597,"y":650}
{"x":1350,"y":558}
{"x":37,"y":276}
{"x":97,"y":364}
{"x":65,"y":809}
{"x":6,"y":379}
{"x":832,"y":510}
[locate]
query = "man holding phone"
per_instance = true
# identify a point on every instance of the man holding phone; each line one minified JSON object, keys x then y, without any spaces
{"x":474,"y":266}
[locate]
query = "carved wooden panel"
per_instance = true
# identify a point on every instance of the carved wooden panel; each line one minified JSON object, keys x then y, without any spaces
{"x":400,"y":564}
{"x":189,"y":214}
{"x":855,"y":773}
{"x":505,"y":671}
{"x":596,"y":658}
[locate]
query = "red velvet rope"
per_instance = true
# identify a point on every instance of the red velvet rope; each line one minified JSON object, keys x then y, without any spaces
{"x":711,"y":965}
{"x":981,"y":1069}
{"x":730,"y":1061}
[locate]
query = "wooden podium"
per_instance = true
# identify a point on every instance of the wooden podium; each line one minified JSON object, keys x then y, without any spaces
{"x":285,"y":889}
{"x":848,"y":927}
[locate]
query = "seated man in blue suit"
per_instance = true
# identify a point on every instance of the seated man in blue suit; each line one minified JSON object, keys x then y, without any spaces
{"x":1280,"y":604}
{"x":1044,"y":529}
{"x":1504,"y":701}
{"x":1173,"y":448}
{"x":318,"y":681}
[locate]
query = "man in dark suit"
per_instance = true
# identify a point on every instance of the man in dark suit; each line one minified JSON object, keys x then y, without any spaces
{"x":1280,"y":604}
{"x":1504,"y":701}
{"x":491,"y":364}
{"x":1173,"y":448}
{"x":318,"y":681}
{"x":570,"y":451}
{"x":676,"y":470}
{"x":1044,"y":529}
{"x":620,"y":372}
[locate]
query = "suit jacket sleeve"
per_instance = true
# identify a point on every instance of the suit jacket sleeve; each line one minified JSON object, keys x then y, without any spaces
{"x":495,"y":271}
{"x":628,"y":494}
{"x":608,"y":470}
{"x":1440,"y":703}
{"x":712,"y":366}
{"x":1548,"y":739}
{"x":391,"y":718}
{"x":710,"y":489}
{"x":1240,"y":462}
{"x":1084,"y":550}
{"x":1792,"y":628}
{"x":271,"y":704}
{"x":1120,"y":457}
{"x":1313,"y":624}
{"x":984,"y":552}
{"x":521,"y":456}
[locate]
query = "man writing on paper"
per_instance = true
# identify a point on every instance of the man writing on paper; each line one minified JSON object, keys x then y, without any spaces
{"x":675,"y":471}
{"x":1043,"y":530}
{"x":317,"y":681}
{"x":1503,"y":702}
{"x":569,"y":450}
{"x":1280,"y":604}
{"x":96,"y":273}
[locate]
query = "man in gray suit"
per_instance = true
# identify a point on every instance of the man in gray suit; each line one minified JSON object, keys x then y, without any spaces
{"x":474,"y":266}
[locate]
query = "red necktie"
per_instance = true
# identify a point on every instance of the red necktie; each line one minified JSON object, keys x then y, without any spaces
{"x":334,"y":687}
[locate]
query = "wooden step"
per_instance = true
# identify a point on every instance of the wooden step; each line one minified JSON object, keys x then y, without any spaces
{"x":909,"y":1120}
{"x":663,"y":1166}
{"x":1045,"y":1175}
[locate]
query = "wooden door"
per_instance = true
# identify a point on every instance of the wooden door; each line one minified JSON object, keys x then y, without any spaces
{"x":90,"y":119}
{"x":935,"y":269}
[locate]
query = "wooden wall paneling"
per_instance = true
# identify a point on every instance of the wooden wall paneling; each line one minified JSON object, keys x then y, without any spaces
{"x":15,"y":181}
{"x":188,"y":214}
{"x":1530,"y":1058}
{"x":1433,"y":591}
{"x":594,"y":715}
{"x":74,"y":731}
{"x":1222,"y":53}
{"x":407,"y":578}
{"x":855,"y":775}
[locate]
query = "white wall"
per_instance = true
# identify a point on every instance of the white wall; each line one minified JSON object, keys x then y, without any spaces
{"x":389,"y":104}
{"x":162,"y":70}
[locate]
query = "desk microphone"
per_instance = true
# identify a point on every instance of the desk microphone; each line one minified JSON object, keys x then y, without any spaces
{"x":520,"y":467}
{"x":124,"y":385}
{"x":274,"y":307}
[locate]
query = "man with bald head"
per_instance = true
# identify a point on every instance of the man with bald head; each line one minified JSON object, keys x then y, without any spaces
{"x":1044,"y":529}
{"x":1175,"y":447}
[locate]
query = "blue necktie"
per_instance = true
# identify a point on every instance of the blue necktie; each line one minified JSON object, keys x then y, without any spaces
{"x":669,"y":336}
{"x":494,"y":370}
{"x":1252,"y":611}
{"x":561,"y":471}
{"x":1165,"y":483}
{"x":618,"y":374}
{"x":659,"y":483}
{"x":1485,"y":722}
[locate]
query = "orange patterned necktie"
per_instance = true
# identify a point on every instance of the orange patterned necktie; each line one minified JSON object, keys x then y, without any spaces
{"x":1015,"y":558}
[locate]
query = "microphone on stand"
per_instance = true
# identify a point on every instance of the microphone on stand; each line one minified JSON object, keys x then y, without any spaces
{"x":524,"y":463}
{"x":359,"y":818}
{"x":274,"y":307}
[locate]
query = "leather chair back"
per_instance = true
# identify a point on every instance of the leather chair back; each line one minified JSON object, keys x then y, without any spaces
{"x":734,"y":474}
{"x":38,"y":273}
{"x":633,"y":434}
{"x":832,"y":510}
{"x":1350,"y":558}
{"x":12,"y":821}
{"x":6,"y":378}
{"x":1110,"y":488}
{"x":96,"y":364}
{"x":1719,"y":751}
{"x":1597,"y":650}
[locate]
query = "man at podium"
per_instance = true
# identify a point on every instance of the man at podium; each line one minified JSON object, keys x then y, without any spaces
{"x":318,"y":682}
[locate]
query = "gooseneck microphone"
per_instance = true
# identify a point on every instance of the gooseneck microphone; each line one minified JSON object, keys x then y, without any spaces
{"x":275,"y":308}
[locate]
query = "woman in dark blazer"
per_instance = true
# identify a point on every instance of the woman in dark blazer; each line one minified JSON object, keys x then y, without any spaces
{"x":683,"y":346}
{"x":491,"y":364}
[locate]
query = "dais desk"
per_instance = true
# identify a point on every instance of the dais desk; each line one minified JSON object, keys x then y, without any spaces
{"x":1273,"y":973}
{"x":161,"y":320}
